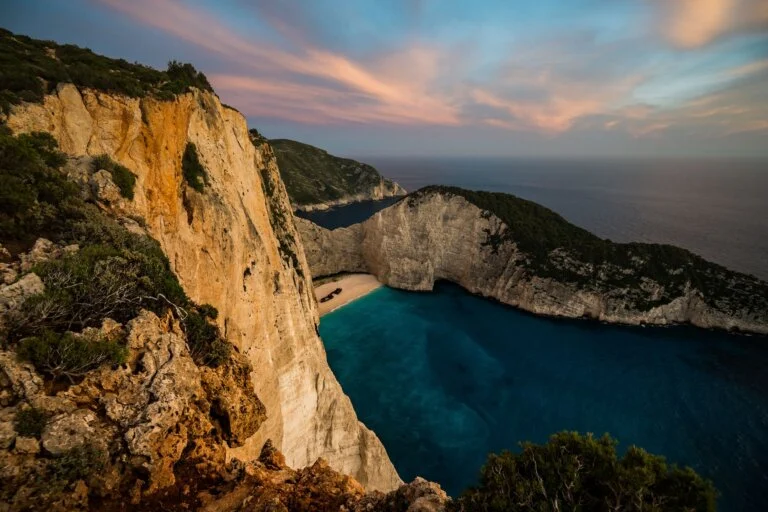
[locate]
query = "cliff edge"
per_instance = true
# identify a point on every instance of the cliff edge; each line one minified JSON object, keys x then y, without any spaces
{"x":232,"y":245}
{"x":524,"y":255}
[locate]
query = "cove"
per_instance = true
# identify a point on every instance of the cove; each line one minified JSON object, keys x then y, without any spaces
{"x":445,"y":377}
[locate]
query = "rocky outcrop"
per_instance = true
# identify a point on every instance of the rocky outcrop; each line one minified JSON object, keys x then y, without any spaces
{"x":267,"y":484}
{"x":418,"y":241}
{"x":233,"y":245}
{"x":136,"y":426}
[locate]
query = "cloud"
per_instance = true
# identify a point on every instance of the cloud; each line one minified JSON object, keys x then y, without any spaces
{"x":549,"y":84}
{"x":694,"y":23}
{"x":386,"y":86}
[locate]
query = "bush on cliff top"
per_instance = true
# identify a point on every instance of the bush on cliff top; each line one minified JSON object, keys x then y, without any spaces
{"x":576,"y":472}
{"x":32,"y":68}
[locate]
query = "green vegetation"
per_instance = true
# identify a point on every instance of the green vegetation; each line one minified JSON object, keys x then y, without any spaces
{"x":193,"y":171}
{"x":79,"y":463}
{"x":312,"y":176}
{"x":30,"y":422}
{"x":32,"y":68}
{"x":557,"y":249}
{"x":32,"y":196}
{"x":575,"y":472}
{"x":69,"y":355}
{"x":121,"y":176}
{"x":115,"y":273}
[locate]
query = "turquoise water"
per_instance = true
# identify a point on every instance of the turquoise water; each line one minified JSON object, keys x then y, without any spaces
{"x":445,"y":377}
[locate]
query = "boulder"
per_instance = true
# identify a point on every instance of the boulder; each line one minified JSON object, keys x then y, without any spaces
{"x":103,"y":188}
{"x":71,"y":430}
{"x":43,"y":250}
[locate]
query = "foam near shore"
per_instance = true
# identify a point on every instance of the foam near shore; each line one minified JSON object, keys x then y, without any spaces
{"x":353,"y":286}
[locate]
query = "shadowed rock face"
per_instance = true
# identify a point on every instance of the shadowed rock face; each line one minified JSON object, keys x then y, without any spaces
{"x":441,"y":235}
{"x":233,"y":246}
{"x":317,"y":180}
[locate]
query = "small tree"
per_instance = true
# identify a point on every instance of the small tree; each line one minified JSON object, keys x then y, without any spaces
{"x":575,"y":472}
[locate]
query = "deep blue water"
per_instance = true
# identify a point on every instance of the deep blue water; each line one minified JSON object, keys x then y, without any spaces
{"x":716,"y":208}
{"x":443,"y":378}
{"x":347,"y":215}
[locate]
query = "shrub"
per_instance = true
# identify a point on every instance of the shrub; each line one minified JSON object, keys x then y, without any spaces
{"x":204,"y":340}
{"x":575,"y":472}
{"x":121,"y":176}
{"x":68,"y":355}
{"x":193,"y":171}
{"x":79,"y":463}
{"x":33,"y":189}
{"x":30,"y":422}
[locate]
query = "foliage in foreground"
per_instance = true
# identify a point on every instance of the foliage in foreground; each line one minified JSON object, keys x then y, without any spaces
{"x":575,"y":472}
{"x":115,"y":273}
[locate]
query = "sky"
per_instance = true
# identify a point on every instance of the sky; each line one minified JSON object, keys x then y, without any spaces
{"x":528,"y":78}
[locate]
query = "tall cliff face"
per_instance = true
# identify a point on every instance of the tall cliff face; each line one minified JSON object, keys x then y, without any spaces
{"x":436,"y":236}
{"x":233,"y":246}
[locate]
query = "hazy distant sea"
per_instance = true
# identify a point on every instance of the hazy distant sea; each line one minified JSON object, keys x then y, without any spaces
{"x":716,"y":208}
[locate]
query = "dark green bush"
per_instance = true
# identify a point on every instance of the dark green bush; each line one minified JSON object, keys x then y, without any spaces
{"x":193,"y":171}
{"x":575,"y":472}
{"x":30,"y":422}
{"x":68,"y":355}
{"x":33,"y":190}
{"x":79,"y":463}
{"x":121,"y":176}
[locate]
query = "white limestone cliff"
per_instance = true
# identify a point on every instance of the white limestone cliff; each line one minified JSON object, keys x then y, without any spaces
{"x":233,"y":246}
{"x":412,"y":244}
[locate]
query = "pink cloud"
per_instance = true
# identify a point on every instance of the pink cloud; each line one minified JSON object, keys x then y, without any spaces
{"x":549,"y":87}
{"x":694,"y":23}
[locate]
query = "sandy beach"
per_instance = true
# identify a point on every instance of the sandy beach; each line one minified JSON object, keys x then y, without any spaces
{"x":353,"y":286}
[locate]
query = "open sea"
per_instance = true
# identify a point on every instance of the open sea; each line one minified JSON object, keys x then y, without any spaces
{"x":444,"y":378}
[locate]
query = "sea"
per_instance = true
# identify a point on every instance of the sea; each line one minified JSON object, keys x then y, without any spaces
{"x":445,"y":377}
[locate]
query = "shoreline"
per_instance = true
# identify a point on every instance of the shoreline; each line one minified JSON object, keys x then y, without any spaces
{"x":353,"y":286}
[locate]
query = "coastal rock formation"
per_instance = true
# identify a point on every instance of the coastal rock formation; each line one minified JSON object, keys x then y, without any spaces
{"x":439,"y":234}
{"x":233,"y":245}
{"x":317,"y":180}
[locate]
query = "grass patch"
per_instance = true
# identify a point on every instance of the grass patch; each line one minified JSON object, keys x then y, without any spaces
{"x":193,"y":171}
{"x":121,"y":176}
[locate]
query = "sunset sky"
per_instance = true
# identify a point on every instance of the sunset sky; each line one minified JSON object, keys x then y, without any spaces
{"x":427,"y":77}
